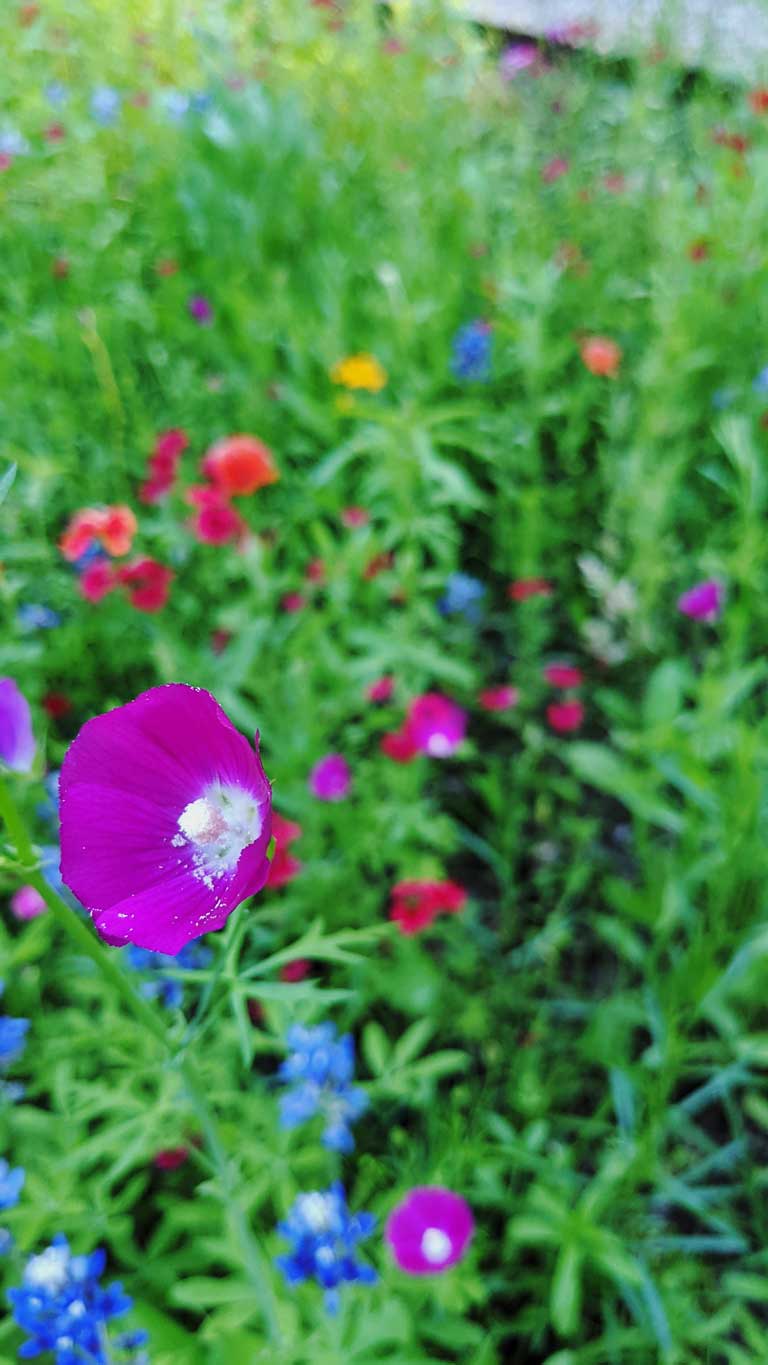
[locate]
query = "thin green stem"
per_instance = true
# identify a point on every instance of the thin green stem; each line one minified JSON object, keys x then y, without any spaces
{"x":87,"y":942}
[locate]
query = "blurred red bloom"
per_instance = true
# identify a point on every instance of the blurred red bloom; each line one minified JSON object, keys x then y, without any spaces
{"x":83,"y":528}
{"x":554,"y":169}
{"x":216,"y":522}
{"x":55,"y":132}
{"x":398,"y":745}
{"x":56,"y":704}
{"x":296,"y":970}
{"x":118,"y":529}
{"x":148,"y":583}
{"x":565,"y":716}
{"x":355,"y":516}
{"x":97,"y":580}
{"x":240,"y":464}
{"x":292,"y":602}
{"x":601,"y":355}
{"x":219,"y":640}
{"x":563,"y":675}
{"x":283,"y":867}
{"x":167,"y":267}
{"x":315,"y":572}
{"x":501,"y":698}
{"x":59,"y":267}
{"x":523,"y":588}
{"x":758,"y":101}
{"x":378,"y":565}
{"x":698,"y":251}
{"x":381,"y":689}
{"x":735,"y":142}
{"x":163,"y":464}
{"x":414,"y":905}
{"x":170,"y":1158}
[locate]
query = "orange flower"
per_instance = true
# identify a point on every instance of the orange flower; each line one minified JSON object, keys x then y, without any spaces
{"x":113,"y":527}
{"x":240,"y":464}
{"x":601,"y":355}
{"x":361,"y":371}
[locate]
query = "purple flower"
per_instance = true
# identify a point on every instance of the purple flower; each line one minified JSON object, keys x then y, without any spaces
{"x":165,"y":819}
{"x":430,"y":1230}
{"x":17,"y":743}
{"x":436,"y":725}
{"x":704,"y":601}
{"x":330,"y":778}
{"x":516,"y":58}
{"x":200,"y":309}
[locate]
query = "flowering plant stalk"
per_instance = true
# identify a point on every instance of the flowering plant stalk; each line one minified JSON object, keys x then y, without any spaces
{"x":147,"y":1014}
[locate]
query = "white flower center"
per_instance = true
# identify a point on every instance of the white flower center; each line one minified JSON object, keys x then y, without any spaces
{"x":316,"y":1210}
{"x":49,"y":1270}
{"x":435,"y":1246}
{"x":439,"y":746}
{"x":218,"y":825}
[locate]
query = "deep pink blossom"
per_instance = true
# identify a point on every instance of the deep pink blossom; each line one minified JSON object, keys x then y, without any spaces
{"x":330,"y":778}
{"x":501,"y":698}
{"x":295,"y":971}
{"x":200,"y":309}
{"x":27,"y":903}
{"x":704,"y":602}
{"x":17,"y":742}
{"x":381,"y":689}
{"x":430,"y":1230}
{"x":97,"y":580}
{"x":563,"y":675}
{"x":414,"y":905}
{"x":165,"y":819}
{"x":436,"y":725}
{"x":565,"y":716}
{"x":398,"y":745}
{"x":283,"y":867}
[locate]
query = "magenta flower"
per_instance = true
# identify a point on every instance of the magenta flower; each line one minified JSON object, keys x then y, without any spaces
{"x":27,"y":903}
{"x":704,"y":601}
{"x":200,"y":309}
{"x":430,"y":1230}
{"x":17,"y":742}
{"x":330,"y":778}
{"x":435,"y":725}
{"x":165,"y":819}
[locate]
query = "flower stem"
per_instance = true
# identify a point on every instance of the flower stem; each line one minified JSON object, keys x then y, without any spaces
{"x":87,"y":942}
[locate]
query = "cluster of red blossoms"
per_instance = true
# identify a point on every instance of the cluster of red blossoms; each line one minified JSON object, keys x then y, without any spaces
{"x":109,"y":531}
{"x":164,"y":464}
{"x":233,"y":467}
{"x":284,"y":866}
{"x":415,"y":905}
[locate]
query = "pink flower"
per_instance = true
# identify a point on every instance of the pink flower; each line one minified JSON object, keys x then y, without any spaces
{"x":283,"y":867}
{"x":518,"y":57}
{"x":170,"y":1158}
{"x":148,"y":583}
{"x":554,"y":169}
{"x":704,"y":602}
{"x":563,"y":675}
{"x":565,"y":716}
{"x":17,"y":742}
{"x":501,"y":698}
{"x":381,"y":689}
{"x":165,"y":819}
{"x":436,"y":725}
{"x":398,"y":745}
{"x":296,"y":970}
{"x":414,"y":905}
{"x":163,"y":464}
{"x":292,"y":602}
{"x":354,"y":517}
{"x":27,"y":903}
{"x":430,"y":1230}
{"x":200,"y":309}
{"x":97,"y":580}
{"x":330,"y":779}
{"x":216,"y":522}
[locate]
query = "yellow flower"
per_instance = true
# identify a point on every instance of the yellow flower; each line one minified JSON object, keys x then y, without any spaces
{"x":360,"y":372}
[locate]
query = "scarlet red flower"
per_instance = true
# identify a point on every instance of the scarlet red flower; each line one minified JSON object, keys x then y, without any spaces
{"x":216,"y":522}
{"x":601,"y":355}
{"x":170,"y":1158}
{"x":563,"y":675}
{"x":758,"y":100}
{"x":523,"y":588}
{"x":148,"y":583}
{"x":414,"y":905}
{"x":381,"y":689}
{"x":296,"y":970}
{"x":97,"y":580}
{"x":565,"y":716}
{"x":83,"y":529}
{"x":398,"y":745}
{"x":283,"y":867}
{"x":501,"y":698}
{"x":55,"y":132}
{"x":56,"y":704}
{"x":240,"y":464}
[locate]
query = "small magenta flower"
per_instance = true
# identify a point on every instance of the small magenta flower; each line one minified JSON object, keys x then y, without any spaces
{"x":200,"y":309}
{"x":436,"y":725}
{"x":430,"y":1230}
{"x":27,"y":903}
{"x":703,"y":602}
{"x":330,"y":779}
{"x":17,"y":742}
{"x":165,"y":819}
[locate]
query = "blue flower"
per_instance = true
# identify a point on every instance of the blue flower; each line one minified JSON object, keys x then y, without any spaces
{"x":12,"y":142}
{"x":193,"y":956}
{"x":105,"y":105}
{"x":462,"y":597}
{"x":471,"y":351}
{"x":56,"y":94}
{"x":62,"y":1306}
{"x":11,"y":1182}
{"x":324,"y":1235}
{"x":320,"y":1068}
{"x":35,"y":616}
{"x":760,"y":382}
{"x":176,"y":105}
{"x":13,"y":1035}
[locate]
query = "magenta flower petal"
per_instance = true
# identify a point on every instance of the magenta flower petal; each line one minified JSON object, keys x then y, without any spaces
{"x":17,"y":742}
{"x":430,"y":1230}
{"x":165,"y":819}
{"x":704,"y":601}
{"x":330,"y":779}
{"x":436,"y":725}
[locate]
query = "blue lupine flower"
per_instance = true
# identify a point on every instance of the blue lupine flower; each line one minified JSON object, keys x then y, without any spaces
{"x":57,"y":94}
{"x":320,"y":1068}
{"x":11,"y":1182}
{"x":35,"y":616}
{"x":105,"y":105}
{"x":462,"y":596}
{"x":471,"y":351}
{"x":164,"y":988}
{"x":62,"y":1306}
{"x":760,"y":382}
{"x":324,"y":1234}
{"x":13,"y":1034}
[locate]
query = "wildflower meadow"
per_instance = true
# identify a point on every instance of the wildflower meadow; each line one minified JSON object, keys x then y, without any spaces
{"x":383,"y":680}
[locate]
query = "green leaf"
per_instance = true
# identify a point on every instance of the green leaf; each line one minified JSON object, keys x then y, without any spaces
{"x":6,"y":482}
{"x":376,"y":1048}
{"x":565,"y":1294}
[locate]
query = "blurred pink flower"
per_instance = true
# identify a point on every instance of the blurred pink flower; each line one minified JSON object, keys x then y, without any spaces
{"x":430,"y":1230}
{"x":563,"y":675}
{"x":501,"y":698}
{"x":27,"y":903}
{"x":565,"y":716}
{"x":704,"y":601}
{"x":330,"y":779}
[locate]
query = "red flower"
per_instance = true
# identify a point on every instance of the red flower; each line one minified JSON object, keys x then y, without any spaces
{"x":355,"y":516}
{"x":292,"y":602}
{"x":283,"y":867}
{"x":56,"y":704}
{"x":55,"y":132}
{"x":698,"y":251}
{"x":315,"y":571}
{"x":758,"y":100}
{"x":118,"y":529}
{"x":219,"y":640}
{"x":82,"y":529}
{"x":163,"y":464}
{"x":501,"y":698}
{"x":563,"y":675}
{"x":166,"y":267}
{"x":170,"y":1158}
{"x":381,"y":689}
{"x":414,"y":905}
{"x":378,"y":564}
{"x":296,"y":970}
{"x":554,"y":169}
{"x":59,"y":267}
{"x":148,"y":583}
{"x":216,"y":522}
{"x":240,"y":464}
{"x":601,"y":355}
{"x":735,"y":142}
{"x":565,"y":716}
{"x":97,"y":580}
{"x":523,"y":588}
{"x":398,"y":745}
